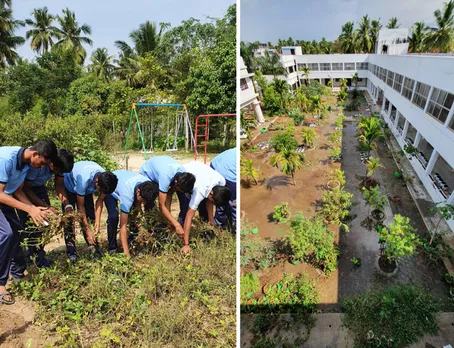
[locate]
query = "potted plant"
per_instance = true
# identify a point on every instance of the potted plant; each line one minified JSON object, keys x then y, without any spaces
{"x":377,"y":201}
{"x":398,"y":240}
{"x":336,"y":179}
{"x":281,"y":212}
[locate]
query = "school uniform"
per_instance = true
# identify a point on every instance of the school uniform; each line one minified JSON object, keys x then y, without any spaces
{"x":225,"y":164}
{"x":205,"y":179}
{"x":162,"y":171}
{"x":12,"y":173}
{"x":125,"y":193}
{"x":81,"y":182}
{"x":38,"y":178}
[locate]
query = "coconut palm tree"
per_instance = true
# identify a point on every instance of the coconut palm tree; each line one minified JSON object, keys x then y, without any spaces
{"x":70,"y":35}
{"x":289,"y":161}
{"x":281,"y":87}
{"x":343,"y":83}
{"x":342,"y":96}
{"x":307,"y":47}
{"x":101,"y":65}
{"x":247,"y":53}
{"x":306,"y":70}
{"x":371,"y":130}
{"x":317,"y":105}
{"x":372,"y":165}
{"x":418,"y":37}
{"x":301,"y":100}
{"x":330,"y":84}
{"x":392,"y":24}
{"x":247,"y":168}
{"x":309,"y":135}
{"x":270,"y":64}
{"x":347,"y":38}
{"x":442,"y":37}
{"x":364,"y":40}
{"x":8,"y":41}
{"x":43,"y":30}
{"x":375,"y":28}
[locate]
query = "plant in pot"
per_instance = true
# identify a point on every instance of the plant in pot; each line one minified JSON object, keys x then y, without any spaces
{"x":336,"y":154}
{"x":446,"y":212}
{"x":336,"y":206}
{"x":377,"y":201}
{"x":399,"y":240}
{"x":372,"y":165}
{"x":309,"y":135}
{"x":281,"y":212}
{"x":336,"y":179}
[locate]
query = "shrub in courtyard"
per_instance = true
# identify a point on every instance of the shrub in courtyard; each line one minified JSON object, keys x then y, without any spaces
{"x":336,"y":154}
{"x":336,"y":206}
{"x":255,"y":251}
{"x":309,"y":135}
{"x":249,"y":284}
{"x":337,"y":175}
{"x":372,"y":165}
{"x":395,"y":317}
{"x":399,"y":239}
{"x":87,"y":148}
{"x":374,"y":198}
{"x":370,"y":131}
{"x":284,"y":141}
{"x":247,"y":168}
{"x":288,"y":161}
{"x":446,"y":212}
{"x":271,"y":101}
{"x":310,"y":240}
{"x":281,"y":212}
{"x":335,"y":137}
{"x":352,"y":106}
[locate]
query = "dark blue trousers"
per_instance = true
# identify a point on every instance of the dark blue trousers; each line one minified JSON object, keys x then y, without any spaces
{"x":11,"y":255}
{"x":222,"y":214}
{"x":36,"y":251}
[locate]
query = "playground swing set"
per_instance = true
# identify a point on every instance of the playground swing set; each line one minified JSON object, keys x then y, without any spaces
{"x":175,"y":121}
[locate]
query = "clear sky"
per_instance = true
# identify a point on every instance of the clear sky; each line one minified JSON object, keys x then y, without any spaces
{"x":270,"y":20}
{"x":112,"y":20}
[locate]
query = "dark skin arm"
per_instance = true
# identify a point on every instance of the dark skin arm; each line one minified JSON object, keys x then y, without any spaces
{"x":210,"y":206}
{"x":98,"y":211}
{"x":83,"y":219}
{"x":187,"y":228}
{"x":164,"y":205}
{"x":61,"y":193}
{"x":124,"y":233}
{"x":34,"y":199}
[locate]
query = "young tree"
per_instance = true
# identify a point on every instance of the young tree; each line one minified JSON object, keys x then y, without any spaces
{"x":371,"y":130}
{"x":309,"y":135}
{"x":372,"y":165}
{"x":336,"y":206}
{"x":343,"y":84}
{"x":446,"y":212}
{"x":247,"y":168}
{"x":289,"y":161}
{"x":306,"y":70}
{"x":355,"y":79}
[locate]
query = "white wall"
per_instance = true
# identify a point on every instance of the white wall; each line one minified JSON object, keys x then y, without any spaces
{"x":389,"y":37}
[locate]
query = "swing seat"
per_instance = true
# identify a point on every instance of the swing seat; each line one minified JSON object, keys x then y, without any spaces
{"x":170,"y":150}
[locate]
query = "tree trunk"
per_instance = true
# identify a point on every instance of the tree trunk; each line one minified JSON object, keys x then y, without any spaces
{"x":224,"y":139}
{"x":435,"y":231}
{"x":293,"y":177}
{"x":186,"y":133}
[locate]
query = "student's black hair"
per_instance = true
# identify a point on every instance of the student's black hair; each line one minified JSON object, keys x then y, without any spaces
{"x":148,"y":191}
{"x":46,"y":149}
{"x":107,"y":182}
{"x":185,"y":181}
{"x":64,"y":161}
{"x":221,"y":195}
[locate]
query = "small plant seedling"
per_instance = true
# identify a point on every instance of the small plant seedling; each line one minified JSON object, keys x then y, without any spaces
{"x":356,"y":262}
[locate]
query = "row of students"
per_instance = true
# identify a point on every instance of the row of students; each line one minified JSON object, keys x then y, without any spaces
{"x":198,"y":187}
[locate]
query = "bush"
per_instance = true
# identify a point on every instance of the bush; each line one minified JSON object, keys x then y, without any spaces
{"x":336,"y":154}
{"x":271,"y":101}
{"x":254,"y":251}
{"x":336,"y":205}
{"x":249,"y":284}
{"x":395,"y":317}
{"x":374,"y":198}
{"x":284,"y":141}
{"x":281,"y":212}
{"x":337,"y":175}
{"x":310,"y":240}
{"x":352,"y":106}
{"x":86,"y":148}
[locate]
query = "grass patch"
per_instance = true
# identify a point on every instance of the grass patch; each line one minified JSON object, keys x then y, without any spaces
{"x":163,"y":297}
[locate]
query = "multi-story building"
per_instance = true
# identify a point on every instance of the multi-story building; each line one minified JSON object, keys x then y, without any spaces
{"x":248,"y":96}
{"x":416,"y":95}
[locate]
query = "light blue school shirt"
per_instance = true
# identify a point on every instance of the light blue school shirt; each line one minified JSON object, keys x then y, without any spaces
{"x":225,"y":164}
{"x":162,"y":171}
{"x":126,"y":188}
{"x":81,"y":180}
{"x":12,"y":170}
{"x":39,"y":176}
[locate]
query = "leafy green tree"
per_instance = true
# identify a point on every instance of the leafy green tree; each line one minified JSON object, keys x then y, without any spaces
{"x":301,"y":100}
{"x":364,"y":40}
{"x":309,"y":135}
{"x":270,"y":64}
{"x":419,"y":32}
{"x":317,"y":106}
{"x":87,"y":95}
{"x":306,"y":70}
{"x":393,"y":23}
{"x":336,"y":206}
{"x":289,"y":162}
{"x":342,"y":96}
{"x":247,"y":168}
{"x":441,"y":38}
{"x":271,"y":100}
{"x":283,"y":141}
{"x":8,"y":40}
{"x":101,"y":64}
{"x":70,"y":35}
{"x":343,"y":83}
{"x":374,"y":198}
{"x":355,"y":79}
{"x":399,"y":238}
{"x":446,"y":211}
{"x":247,"y":53}
{"x":372,"y":165}
{"x":43,"y":31}
{"x":371,"y":130}
{"x":347,"y":38}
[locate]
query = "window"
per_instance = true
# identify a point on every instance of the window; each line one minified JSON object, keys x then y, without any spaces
{"x":301,"y":65}
{"x":338,"y":66}
{"x":349,"y":66}
{"x":292,"y":51}
{"x":313,"y":66}
{"x":382,"y":74}
{"x":439,"y":104}
{"x":398,"y":82}
{"x":376,"y":70}
{"x":325,"y":66}
{"x":243,"y":84}
{"x":361,"y":66}
{"x":390,"y":79}
{"x":290,"y":69}
{"x":421,"y":94}
{"x":407,"y":90}
{"x":371,"y":67}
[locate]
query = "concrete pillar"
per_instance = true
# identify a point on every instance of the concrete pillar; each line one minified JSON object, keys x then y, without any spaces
{"x":432,"y":161}
{"x":383,"y":103}
{"x":428,"y":98}
{"x":396,"y":121}
{"x":404,"y":132}
{"x":258,"y":111}
{"x":451,"y":199}
{"x":390,"y":108}
{"x":450,"y":116}
{"x":417,"y":139}
{"x":414,"y":89}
